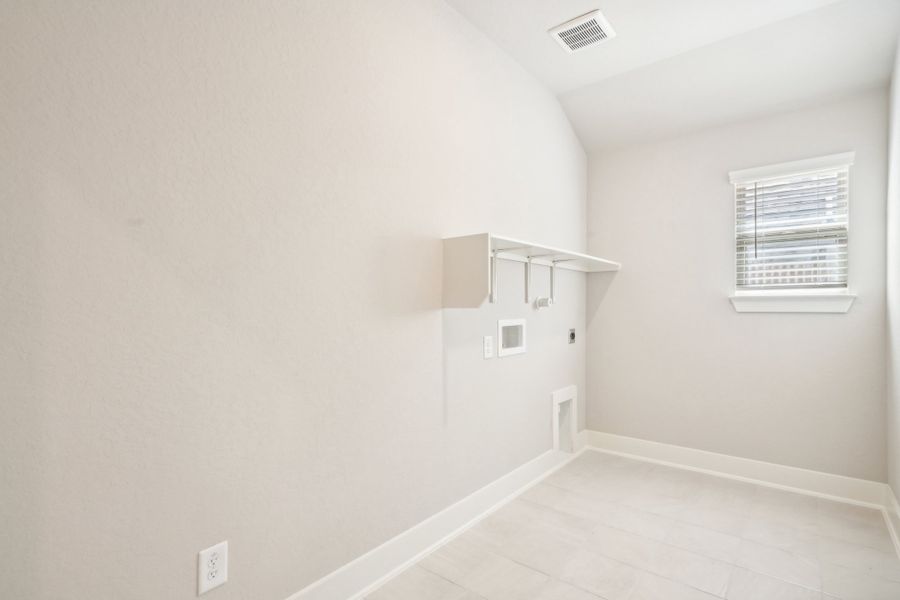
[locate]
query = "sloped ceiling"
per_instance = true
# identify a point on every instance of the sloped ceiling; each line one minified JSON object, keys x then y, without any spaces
{"x":681,"y":65}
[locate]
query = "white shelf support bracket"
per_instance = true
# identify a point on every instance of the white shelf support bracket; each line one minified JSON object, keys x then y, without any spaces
{"x":553,"y":282}
{"x":553,"y":278}
{"x":528,"y":281}
{"x":493,"y":291}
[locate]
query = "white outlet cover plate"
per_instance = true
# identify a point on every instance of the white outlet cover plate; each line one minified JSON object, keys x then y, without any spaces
{"x":212,"y":567}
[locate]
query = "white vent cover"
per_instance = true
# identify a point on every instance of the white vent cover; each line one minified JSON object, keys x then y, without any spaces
{"x":583,"y":32}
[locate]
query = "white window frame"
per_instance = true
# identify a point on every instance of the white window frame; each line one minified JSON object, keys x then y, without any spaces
{"x":795,"y":300}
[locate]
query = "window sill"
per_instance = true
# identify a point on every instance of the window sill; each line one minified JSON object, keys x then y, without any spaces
{"x":793,"y":303}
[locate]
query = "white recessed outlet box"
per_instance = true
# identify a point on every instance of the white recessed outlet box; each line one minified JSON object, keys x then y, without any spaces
{"x":511,"y":337}
{"x":212,"y":567}
{"x":583,"y":32}
{"x":489,"y":346}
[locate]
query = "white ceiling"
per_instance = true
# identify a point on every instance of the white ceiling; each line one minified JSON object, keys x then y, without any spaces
{"x":681,"y":65}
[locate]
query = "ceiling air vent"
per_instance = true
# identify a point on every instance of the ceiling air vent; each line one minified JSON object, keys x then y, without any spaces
{"x":583,"y":32}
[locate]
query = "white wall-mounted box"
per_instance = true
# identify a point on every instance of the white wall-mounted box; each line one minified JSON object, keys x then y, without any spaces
{"x":511,"y":337}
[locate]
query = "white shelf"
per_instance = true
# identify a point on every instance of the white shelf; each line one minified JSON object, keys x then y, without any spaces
{"x":513,"y":249}
{"x":468,"y":275}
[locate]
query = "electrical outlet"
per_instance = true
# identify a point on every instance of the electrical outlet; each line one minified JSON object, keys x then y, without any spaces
{"x":489,"y":346}
{"x":212,"y":567}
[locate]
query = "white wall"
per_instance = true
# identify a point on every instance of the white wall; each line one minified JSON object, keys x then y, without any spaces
{"x":893,"y":287}
{"x":220,"y":285}
{"x":670,"y":360}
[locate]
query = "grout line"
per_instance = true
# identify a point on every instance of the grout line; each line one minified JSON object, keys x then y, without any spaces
{"x":730,"y":577}
{"x":457,"y":584}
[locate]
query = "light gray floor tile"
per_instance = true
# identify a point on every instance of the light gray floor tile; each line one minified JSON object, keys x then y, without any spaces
{"x":499,"y":528}
{"x":568,"y":480}
{"x":631,"y":549}
{"x":859,"y":558}
{"x":855,"y":532}
{"x":654,"y":587}
{"x":542,"y":547}
{"x":713,"y":544}
{"x":723,"y":521}
{"x":786,"y":508}
{"x":457,"y":559}
{"x":559,"y":590}
{"x":780,"y":564}
{"x":573,"y":525}
{"x":782,"y":536}
{"x":655,"y":502}
{"x":671,"y":482}
{"x":499,"y":578}
{"x":591,"y":464}
{"x":693,"y":570}
{"x":610,"y":528}
{"x":849,"y":512}
{"x":418,"y":584}
{"x":849,"y":584}
{"x":727,"y":495}
{"x":747,"y":585}
{"x":611,"y":514}
{"x":606,"y":490}
{"x":553,"y":496}
{"x":639,"y":522}
{"x":776,"y":498}
{"x":603,"y":576}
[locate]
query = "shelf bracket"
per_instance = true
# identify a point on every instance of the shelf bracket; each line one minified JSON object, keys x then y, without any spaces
{"x":493,"y":291}
{"x":553,"y":278}
{"x":553,"y":282}
{"x":528,"y":276}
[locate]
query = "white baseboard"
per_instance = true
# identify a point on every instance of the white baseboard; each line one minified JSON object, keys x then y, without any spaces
{"x":366,"y":573}
{"x":892,"y":516}
{"x":805,"y":481}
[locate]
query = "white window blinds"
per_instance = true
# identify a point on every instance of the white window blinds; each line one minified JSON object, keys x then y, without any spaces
{"x":791,"y":229}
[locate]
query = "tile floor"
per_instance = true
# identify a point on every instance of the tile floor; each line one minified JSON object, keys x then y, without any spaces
{"x":611,"y":528}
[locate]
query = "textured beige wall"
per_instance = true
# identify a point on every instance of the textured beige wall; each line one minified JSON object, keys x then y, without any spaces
{"x":670,"y":360}
{"x":220,"y":285}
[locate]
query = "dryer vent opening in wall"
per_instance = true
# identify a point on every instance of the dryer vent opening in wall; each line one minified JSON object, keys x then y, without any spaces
{"x":583,"y":32}
{"x":511,"y":335}
{"x":565,"y":418}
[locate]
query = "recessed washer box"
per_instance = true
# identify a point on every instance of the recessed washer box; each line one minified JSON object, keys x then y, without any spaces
{"x":510,"y":336}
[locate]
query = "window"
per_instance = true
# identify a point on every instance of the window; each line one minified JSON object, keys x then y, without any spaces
{"x":791,"y":230}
